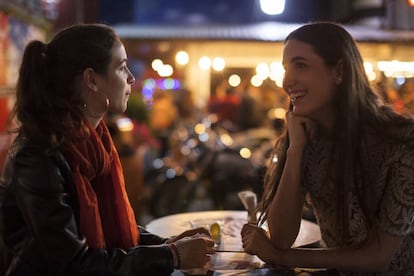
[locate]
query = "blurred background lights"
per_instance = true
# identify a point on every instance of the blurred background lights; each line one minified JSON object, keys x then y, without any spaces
{"x":149,"y":84}
{"x":203,"y":137}
{"x":199,"y":128}
{"x":272,"y":7}
{"x":218,"y":64}
{"x":277,"y":73}
{"x":124,"y":124}
{"x":156,"y":64}
{"x":396,"y":68}
{"x":234,"y":80}
{"x":169,"y":83}
{"x":400,"y":80}
{"x":262,"y":71}
{"x":157,"y":163}
{"x":182,"y":58}
{"x":185,"y":150}
{"x":204,"y":63}
{"x":245,"y":153}
{"x":165,"y":71}
{"x":369,"y":70}
{"x":277,"y":113}
{"x":192,"y":143}
{"x":170,"y":173}
{"x":256,"y":81}
{"x":226,"y":139}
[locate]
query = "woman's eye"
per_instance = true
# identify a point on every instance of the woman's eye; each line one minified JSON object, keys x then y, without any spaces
{"x":124,"y":68}
{"x":301,"y":65}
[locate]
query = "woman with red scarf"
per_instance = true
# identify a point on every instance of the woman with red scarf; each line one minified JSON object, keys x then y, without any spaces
{"x":63,"y":205}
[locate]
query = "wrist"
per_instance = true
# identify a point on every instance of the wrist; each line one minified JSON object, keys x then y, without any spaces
{"x":170,"y":239}
{"x":176,"y":255}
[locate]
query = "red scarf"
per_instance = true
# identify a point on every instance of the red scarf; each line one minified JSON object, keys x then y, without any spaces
{"x":106,"y":217}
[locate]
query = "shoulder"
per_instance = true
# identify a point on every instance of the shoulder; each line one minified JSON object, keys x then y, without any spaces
{"x":35,"y":166}
{"x":393,"y":143}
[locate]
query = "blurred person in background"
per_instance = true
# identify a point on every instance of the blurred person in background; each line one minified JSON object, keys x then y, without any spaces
{"x":226,"y":106}
{"x":346,"y":153}
{"x":251,"y":111}
{"x":163,"y":119}
{"x":63,"y":205}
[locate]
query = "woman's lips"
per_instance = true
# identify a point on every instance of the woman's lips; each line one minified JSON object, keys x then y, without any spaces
{"x":294,"y":96}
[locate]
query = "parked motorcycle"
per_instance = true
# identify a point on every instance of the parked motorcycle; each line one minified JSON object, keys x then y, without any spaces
{"x":206,"y":166}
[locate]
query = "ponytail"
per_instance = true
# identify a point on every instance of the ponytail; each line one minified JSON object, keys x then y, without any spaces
{"x":31,"y":107}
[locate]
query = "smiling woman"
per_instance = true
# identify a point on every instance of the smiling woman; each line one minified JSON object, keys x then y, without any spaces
{"x":346,"y":153}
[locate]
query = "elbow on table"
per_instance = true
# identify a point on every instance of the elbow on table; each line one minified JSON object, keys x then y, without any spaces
{"x":282,"y":244}
{"x":381,"y":251}
{"x":382,"y":264}
{"x":377,"y":263}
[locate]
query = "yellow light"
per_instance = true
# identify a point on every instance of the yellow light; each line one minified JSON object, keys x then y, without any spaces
{"x":125,"y":124}
{"x":182,"y":58}
{"x":156,"y":64}
{"x":277,"y":113}
{"x":218,"y":64}
{"x":226,"y":139}
{"x":165,"y":70}
{"x":262,"y":71}
{"x":234,"y":80}
{"x":272,"y":7}
{"x":204,"y":63}
{"x":199,"y":128}
{"x":411,"y":3}
{"x":245,"y":153}
{"x":256,"y":81}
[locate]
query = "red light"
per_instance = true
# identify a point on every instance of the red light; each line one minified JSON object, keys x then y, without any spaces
{"x":411,"y":3}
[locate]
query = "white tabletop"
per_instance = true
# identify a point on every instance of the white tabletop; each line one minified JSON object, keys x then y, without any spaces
{"x":230,"y":257}
{"x":231,"y":223}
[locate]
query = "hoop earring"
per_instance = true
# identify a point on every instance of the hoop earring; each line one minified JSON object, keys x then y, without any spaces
{"x":96,"y":104}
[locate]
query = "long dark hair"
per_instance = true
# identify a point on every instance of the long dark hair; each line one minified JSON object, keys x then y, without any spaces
{"x":48,"y":101}
{"x":357,"y":107}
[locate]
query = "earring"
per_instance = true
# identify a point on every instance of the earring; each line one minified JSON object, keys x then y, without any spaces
{"x":96,"y":104}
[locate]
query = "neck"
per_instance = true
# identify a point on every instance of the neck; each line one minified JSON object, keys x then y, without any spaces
{"x":326,"y":119}
{"x":93,"y":121}
{"x":327,"y":125}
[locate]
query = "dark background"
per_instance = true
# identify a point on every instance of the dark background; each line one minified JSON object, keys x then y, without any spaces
{"x":211,"y":11}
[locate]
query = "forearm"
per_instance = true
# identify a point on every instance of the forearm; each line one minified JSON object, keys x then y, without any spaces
{"x":148,"y":238}
{"x":141,"y":260}
{"x":372,"y":256}
{"x":285,"y":212}
{"x":340,"y":259}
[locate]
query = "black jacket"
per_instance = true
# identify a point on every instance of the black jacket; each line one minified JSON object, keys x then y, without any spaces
{"x":38,"y":224}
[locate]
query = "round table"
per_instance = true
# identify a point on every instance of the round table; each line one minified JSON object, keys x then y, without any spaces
{"x":231,"y":223}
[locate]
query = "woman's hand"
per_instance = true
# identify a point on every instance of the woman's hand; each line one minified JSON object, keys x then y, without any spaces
{"x":190,"y":233}
{"x":194,"y":251}
{"x":300,"y":128}
{"x":256,"y":242}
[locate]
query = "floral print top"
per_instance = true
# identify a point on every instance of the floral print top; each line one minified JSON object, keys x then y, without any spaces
{"x":391,"y":167}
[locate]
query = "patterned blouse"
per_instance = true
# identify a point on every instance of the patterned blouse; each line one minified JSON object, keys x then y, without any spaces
{"x":392,"y":169}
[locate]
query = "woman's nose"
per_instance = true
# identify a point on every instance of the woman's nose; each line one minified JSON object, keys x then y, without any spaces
{"x":288,"y":81}
{"x":131,"y":78}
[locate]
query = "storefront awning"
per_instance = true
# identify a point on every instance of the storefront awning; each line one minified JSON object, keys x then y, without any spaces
{"x":266,"y":31}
